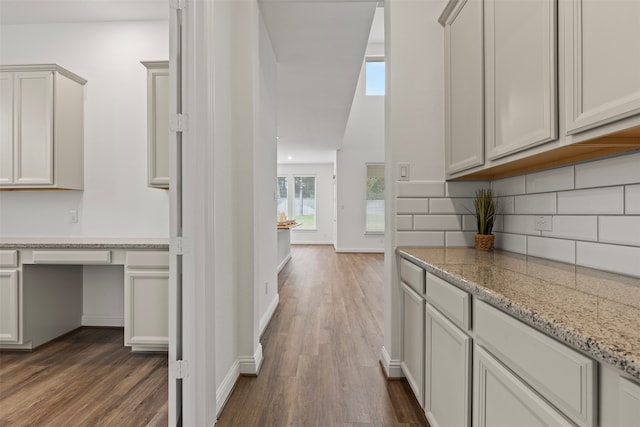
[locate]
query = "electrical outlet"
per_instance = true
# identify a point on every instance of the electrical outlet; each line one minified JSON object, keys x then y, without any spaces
{"x":73,"y":216}
{"x":543,"y":223}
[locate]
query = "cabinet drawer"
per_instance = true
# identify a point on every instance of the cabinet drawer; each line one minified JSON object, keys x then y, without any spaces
{"x":451,"y":301}
{"x":8,"y":259}
{"x":147,"y":259}
{"x":72,"y":257}
{"x":412,"y":275}
{"x":563,"y":376}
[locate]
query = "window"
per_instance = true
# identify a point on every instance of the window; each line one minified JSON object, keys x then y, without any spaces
{"x":375,"y":198}
{"x":374,"y":73}
{"x":304,"y":206}
{"x":283,"y":196}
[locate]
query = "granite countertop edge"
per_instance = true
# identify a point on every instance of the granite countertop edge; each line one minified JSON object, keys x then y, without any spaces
{"x":602,"y":352}
{"x":84,"y":243}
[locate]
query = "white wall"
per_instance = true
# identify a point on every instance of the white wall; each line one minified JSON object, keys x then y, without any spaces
{"x":116,"y":201}
{"x":363,"y":143}
{"x":323,"y":234}
{"x":414,"y":133}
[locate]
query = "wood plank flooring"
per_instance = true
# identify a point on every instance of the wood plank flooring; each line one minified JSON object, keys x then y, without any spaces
{"x":322,"y":351}
{"x":85,"y":378}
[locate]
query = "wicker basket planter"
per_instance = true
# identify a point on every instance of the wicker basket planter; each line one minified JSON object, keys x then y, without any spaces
{"x":484,"y":242}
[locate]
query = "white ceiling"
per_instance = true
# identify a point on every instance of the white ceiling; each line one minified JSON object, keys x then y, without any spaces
{"x":319,"y":45}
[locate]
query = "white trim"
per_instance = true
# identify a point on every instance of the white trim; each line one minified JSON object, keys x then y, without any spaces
{"x":284,"y":262}
{"x":266,"y":318}
{"x":226,"y":387}
{"x":392,"y":368}
{"x":328,"y":242}
{"x":363,"y":251}
{"x":250,"y":365}
{"x":102,"y":320}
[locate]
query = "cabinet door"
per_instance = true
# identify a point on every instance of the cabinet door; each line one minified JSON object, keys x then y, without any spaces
{"x":521,"y":94}
{"x":602,"y":62}
{"x":502,"y":400}
{"x":146,"y":322}
{"x":158,"y":124}
{"x":33,"y":161}
{"x":413,"y":341}
{"x":629,"y":402}
{"x":6,"y":128}
{"x":447,"y":372}
{"x":464,"y":118}
{"x":9,"y":309}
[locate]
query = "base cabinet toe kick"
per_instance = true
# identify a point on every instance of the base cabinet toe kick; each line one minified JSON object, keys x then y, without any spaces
{"x":41,"y":293}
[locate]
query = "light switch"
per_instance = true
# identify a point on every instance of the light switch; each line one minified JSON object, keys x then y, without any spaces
{"x":403,"y":171}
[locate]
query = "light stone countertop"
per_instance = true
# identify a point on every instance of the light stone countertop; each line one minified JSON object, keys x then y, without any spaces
{"x":593,"y":311}
{"x":83,"y":243}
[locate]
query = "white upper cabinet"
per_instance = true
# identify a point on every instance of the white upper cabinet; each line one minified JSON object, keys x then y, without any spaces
{"x":158,"y":123}
{"x":602,"y":62}
{"x":464,"y":86}
{"x":520,"y":65}
{"x":41,"y":134}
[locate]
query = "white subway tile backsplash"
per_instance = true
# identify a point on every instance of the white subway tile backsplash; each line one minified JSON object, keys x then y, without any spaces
{"x":505,"y":205}
{"x":498,"y":225}
{"x":556,"y":249}
{"x":460,"y":239}
{"x":511,"y":242}
{"x":573,"y":227}
{"x":412,"y":206}
{"x":420,"y":238}
{"x":460,"y":206}
{"x":469,"y":223}
{"x":465,"y":188}
{"x":509,"y":186}
{"x":592,"y":201}
{"x":420,"y":189}
{"x":519,"y":224}
{"x":437,"y":222}
{"x":536,"y":204}
{"x":632,"y":199}
{"x":404,"y":222}
{"x":550,"y":180}
{"x":624,"y":169}
{"x":623,"y":230}
{"x":614,"y":258}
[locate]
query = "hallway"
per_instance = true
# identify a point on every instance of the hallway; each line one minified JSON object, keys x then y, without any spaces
{"x":322,"y":348}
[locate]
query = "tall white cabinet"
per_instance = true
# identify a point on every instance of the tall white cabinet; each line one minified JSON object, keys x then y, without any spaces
{"x":157,"y":123}
{"x":520,"y":63}
{"x":41,"y":128}
{"x":464,"y":86}
{"x":602,"y":62}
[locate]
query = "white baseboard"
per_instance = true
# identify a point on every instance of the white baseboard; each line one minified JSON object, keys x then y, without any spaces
{"x":361,"y":251}
{"x":266,"y":317}
{"x":311,"y":243}
{"x":391,"y":368}
{"x":226,"y":387}
{"x":250,"y":365}
{"x":284,"y":262}
{"x":102,"y":320}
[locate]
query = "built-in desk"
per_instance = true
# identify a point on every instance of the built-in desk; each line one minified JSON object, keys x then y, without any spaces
{"x":41,"y":288}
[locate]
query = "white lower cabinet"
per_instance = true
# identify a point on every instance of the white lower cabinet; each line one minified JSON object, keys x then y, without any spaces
{"x":146,"y":311}
{"x":447,"y":372}
{"x":413,"y":336}
{"x":9,"y":306}
{"x":502,"y":400}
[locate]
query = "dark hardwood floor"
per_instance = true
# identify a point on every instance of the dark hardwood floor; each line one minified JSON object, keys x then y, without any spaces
{"x":322,"y":350}
{"x":85,"y":378}
{"x":321,"y":366}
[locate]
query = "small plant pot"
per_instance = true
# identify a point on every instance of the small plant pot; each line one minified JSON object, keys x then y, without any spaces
{"x":484,"y":242}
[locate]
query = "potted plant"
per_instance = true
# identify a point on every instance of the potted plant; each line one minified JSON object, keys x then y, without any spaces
{"x":485,"y":213}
